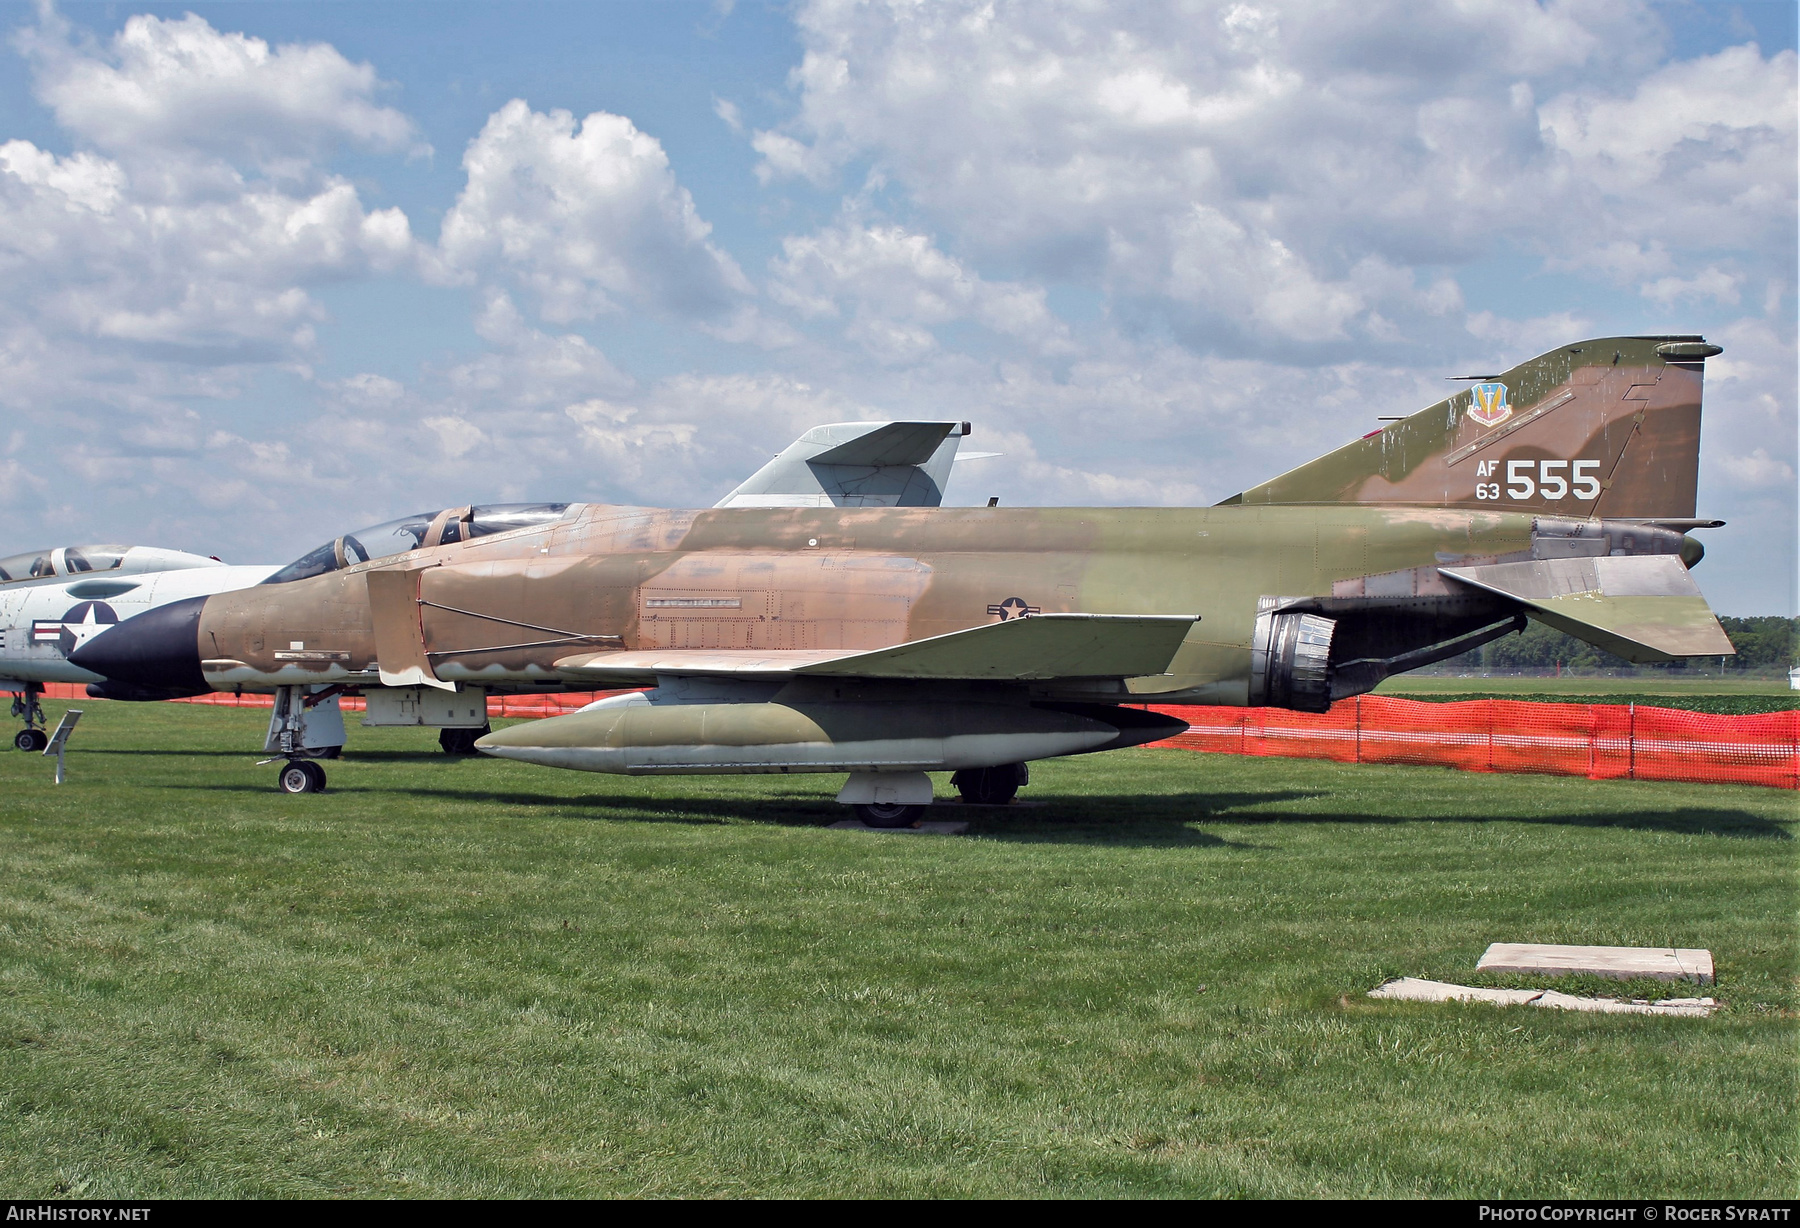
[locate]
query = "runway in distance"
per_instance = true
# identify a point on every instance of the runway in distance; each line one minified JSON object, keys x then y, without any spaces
{"x":887,"y":642}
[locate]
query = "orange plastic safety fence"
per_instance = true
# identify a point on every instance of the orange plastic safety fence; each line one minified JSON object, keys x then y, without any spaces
{"x":1602,"y":741}
{"x":552,"y":704}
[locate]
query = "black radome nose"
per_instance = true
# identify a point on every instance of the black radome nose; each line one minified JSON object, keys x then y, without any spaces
{"x":158,"y":650}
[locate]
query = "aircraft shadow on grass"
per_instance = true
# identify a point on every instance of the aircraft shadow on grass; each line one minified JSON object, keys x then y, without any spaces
{"x":1693,"y":821}
{"x":1129,"y":819}
{"x":1160,"y":820}
{"x":1076,"y":822}
{"x":1151,"y":822}
{"x":167,"y":754}
{"x":1144,"y":819}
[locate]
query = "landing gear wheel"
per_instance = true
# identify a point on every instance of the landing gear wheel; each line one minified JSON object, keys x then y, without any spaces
{"x":461,"y":741}
{"x":994,"y":786}
{"x":889,"y":814}
{"x":301,"y":776}
{"x":31,"y":741}
{"x":325,"y":752}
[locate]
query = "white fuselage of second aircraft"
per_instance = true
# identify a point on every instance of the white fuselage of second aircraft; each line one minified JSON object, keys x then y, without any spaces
{"x":53,"y":602}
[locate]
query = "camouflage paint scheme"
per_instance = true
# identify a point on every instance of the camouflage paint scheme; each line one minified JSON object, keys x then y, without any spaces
{"x":1374,"y":524}
{"x":1582,"y":402}
{"x":831,"y":578}
{"x":1560,"y":489}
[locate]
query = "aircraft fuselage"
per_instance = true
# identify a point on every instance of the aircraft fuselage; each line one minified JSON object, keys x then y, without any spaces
{"x":506,"y":609}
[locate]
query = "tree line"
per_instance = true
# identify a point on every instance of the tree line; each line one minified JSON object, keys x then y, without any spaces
{"x":1767,"y":643}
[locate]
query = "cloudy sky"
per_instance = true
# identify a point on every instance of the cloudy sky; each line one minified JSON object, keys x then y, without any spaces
{"x":272,"y":271}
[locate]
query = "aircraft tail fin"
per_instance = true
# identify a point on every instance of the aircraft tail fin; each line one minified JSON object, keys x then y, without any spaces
{"x":1608,"y":428}
{"x":857,"y":464}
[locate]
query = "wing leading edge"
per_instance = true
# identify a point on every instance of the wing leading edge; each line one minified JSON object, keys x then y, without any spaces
{"x":1040,"y":648}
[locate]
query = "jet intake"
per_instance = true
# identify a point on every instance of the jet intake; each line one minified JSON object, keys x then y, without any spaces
{"x":1290,"y":661}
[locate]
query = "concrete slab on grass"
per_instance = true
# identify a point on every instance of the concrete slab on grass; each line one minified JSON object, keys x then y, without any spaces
{"x":1618,"y":963}
{"x":926,"y":828}
{"x":1416,"y":989}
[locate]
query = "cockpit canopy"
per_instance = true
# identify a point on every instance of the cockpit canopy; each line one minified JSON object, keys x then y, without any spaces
{"x":49,"y":566}
{"x":37,"y":564}
{"x":440,"y":528}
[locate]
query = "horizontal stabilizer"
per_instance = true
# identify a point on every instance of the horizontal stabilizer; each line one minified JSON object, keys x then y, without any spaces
{"x":1040,"y":648}
{"x":857,"y":464}
{"x":891,"y":443}
{"x":1641,"y":607}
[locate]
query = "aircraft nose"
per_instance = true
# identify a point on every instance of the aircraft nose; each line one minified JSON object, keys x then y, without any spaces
{"x":158,"y":649}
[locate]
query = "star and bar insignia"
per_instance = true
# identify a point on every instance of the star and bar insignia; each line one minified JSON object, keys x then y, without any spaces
{"x":1013,"y":607}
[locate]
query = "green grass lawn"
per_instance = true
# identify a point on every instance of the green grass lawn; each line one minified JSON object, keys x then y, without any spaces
{"x":480,"y":978}
{"x":1669,"y":683}
{"x":1700,"y":693}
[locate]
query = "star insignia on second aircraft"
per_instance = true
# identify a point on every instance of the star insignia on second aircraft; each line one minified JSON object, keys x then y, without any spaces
{"x":77,"y":626}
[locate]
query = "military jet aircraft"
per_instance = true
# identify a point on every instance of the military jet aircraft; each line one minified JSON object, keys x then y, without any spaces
{"x":45,"y":614}
{"x":53,"y":601}
{"x":887,"y":642}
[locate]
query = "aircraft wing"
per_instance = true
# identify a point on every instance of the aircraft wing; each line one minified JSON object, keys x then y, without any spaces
{"x":1039,"y":648}
{"x":1641,"y":607}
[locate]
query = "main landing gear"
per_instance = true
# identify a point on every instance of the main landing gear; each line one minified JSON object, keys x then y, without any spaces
{"x":34,"y":737}
{"x":461,"y":741}
{"x":889,"y":814}
{"x":899,"y":799}
{"x":993,"y":786}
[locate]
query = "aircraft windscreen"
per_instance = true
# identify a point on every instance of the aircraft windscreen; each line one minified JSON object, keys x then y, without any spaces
{"x":413,"y":532}
{"x":27,"y":566}
{"x":93,"y":558}
{"x":35,"y":564}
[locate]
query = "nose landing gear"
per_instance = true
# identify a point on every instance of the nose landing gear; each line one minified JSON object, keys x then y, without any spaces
{"x":34,"y":737}
{"x":305,"y":726}
{"x":301,"y":776}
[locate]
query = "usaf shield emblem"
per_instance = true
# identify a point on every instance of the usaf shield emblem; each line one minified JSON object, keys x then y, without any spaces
{"x":1489,"y":406}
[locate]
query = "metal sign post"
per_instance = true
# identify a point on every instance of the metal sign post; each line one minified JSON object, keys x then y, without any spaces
{"x":59,"y":741}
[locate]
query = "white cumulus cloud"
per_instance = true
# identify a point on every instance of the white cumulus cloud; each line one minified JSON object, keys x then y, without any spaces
{"x":180,"y":84}
{"x":898,"y":286}
{"x":588,"y":217}
{"x":1226,"y":168}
